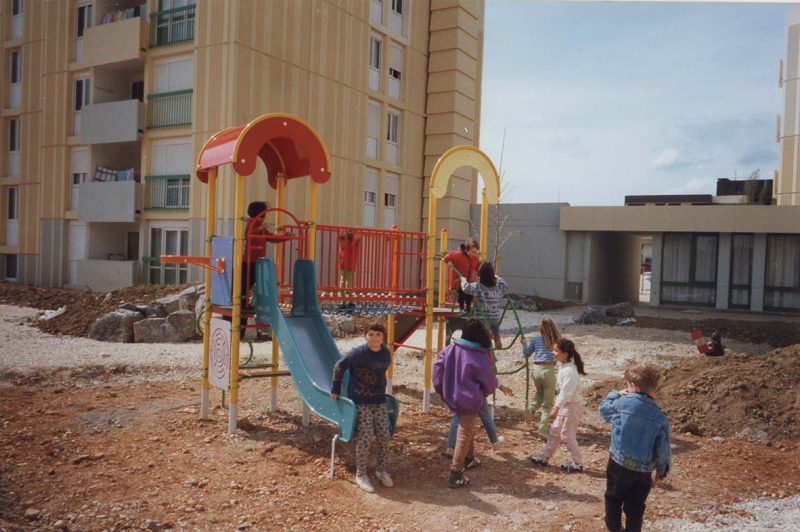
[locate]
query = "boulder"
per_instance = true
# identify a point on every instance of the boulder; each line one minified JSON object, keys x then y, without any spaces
{"x":593,"y":314}
{"x":179,"y":326}
{"x":188,"y":298}
{"x":155,"y":310}
{"x":198,"y":306}
{"x":149,"y":331}
{"x":115,"y":326}
{"x":129,"y":306}
{"x":333,"y":325}
{"x":171,"y":303}
{"x":526,"y":303}
{"x":346,"y":324}
{"x":620,"y":310}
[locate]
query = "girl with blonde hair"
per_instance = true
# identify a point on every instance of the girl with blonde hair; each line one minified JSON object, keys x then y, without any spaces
{"x":544,"y":374}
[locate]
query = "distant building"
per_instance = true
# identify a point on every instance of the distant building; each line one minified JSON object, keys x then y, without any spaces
{"x":787,"y":182}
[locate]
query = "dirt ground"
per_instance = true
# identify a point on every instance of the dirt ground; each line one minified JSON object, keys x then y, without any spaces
{"x":115,"y":448}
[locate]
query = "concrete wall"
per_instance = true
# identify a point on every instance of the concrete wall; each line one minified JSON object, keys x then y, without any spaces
{"x":615,"y":264}
{"x":53,"y":253}
{"x":533,"y":259}
{"x":107,"y":275}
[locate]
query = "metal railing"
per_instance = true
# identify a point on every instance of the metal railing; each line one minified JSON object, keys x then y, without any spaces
{"x":173,"y":26}
{"x":167,"y":192}
{"x":169,"y":109}
{"x":156,"y":273}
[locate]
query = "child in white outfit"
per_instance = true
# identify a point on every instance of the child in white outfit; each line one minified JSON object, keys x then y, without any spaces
{"x":566,"y":413}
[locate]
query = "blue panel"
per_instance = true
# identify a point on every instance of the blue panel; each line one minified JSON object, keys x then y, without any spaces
{"x":222,"y":283}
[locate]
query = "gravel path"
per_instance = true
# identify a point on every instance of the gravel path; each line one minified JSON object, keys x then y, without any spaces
{"x":760,"y":514}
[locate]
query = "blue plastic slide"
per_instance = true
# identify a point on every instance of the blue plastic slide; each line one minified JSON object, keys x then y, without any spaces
{"x":307,"y":345}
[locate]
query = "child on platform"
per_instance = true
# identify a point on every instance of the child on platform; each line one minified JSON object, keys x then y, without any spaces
{"x":639,"y":445}
{"x":544,"y":373}
{"x":254,"y":248}
{"x":349,"y":251}
{"x":566,"y":413}
{"x":463,"y":377}
{"x":488,"y":289}
{"x":466,"y":260}
{"x":367,"y":389}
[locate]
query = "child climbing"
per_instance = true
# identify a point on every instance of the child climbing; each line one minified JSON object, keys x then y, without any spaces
{"x":367,"y":365}
{"x":254,"y":248}
{"x":488,"y":289}
{"x":544,"y":373}
{"x":566,"y":413}
{"x":349,"y":251}
{"x":463,"y":377}
{"x":465,"y":259}
{"x":640,"y":444}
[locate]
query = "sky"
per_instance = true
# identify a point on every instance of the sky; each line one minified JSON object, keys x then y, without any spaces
{"x":602,"y":100}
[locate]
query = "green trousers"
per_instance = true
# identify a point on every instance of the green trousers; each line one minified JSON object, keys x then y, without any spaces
{"x":544,"y":377}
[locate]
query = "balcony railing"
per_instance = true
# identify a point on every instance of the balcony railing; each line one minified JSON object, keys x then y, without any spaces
{"x":156,"y":273}
{"x":166,"y":192}
{"x":169,"y":109}
{"x":173,"y":26}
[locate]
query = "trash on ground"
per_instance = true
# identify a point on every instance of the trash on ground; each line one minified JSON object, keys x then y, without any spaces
{"x":50,"y":314}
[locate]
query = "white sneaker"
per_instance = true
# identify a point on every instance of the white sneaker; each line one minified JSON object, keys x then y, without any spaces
{"x":498,"y":444}
{"x":384,"y":477}
{"x":364,"y":484}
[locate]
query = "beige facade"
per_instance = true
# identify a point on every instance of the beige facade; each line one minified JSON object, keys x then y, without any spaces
{"x":787,"y":182}
{"x":92,"y":94}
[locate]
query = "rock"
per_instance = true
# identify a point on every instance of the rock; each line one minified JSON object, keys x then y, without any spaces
{"x":244,"y":526}
{"x":198,"y":306}
{"x":32,"y":514}
{"x":347,"y":324}
{"x":251,"y":333}
{"x":180,"y":326}
{"x":526,"y":303}
{"x":188,"y":298}
{"x":593,"y":314}
{"x":620,"y":310}
{"x":171,"y":303}
{"x":116,"y":326}
{"x":149,"y":330}
{"x":129,"y":306}
{"x":155,"y":310}
{"x":333,"y":325}
{"x":60,"y":525}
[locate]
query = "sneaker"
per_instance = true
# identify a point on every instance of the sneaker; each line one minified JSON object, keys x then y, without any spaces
{"x":471,"y":463}
{"x":385,"y":479}
{"x":365,"y":484}
{"x":498,"y":444}
{"x":457,"y":479}
{"x":450,"y":451}
{"x":571,"y":467}
{"x":539,"y":459}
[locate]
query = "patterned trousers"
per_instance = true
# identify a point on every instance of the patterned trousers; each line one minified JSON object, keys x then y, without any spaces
{"x":372,"y":420}
{"x":465,"y":441}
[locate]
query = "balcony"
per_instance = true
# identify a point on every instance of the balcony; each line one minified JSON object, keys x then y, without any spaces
{"x":103,"y":123}
{"x":115,"y":201}
{"x":107,"y":275}
{"x":157,"y":273}
{"x":173,"y":26}
{"x":167,"y":192}
{"x":169,"y":109}
{"x":115,"y":43}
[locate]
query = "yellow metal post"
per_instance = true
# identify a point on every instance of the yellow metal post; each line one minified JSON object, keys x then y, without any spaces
{"x":311,"y":236}
{"x":236,"y":311}
{"x":279,"y":258}
{"x":211,"y":215}
{"x":442,"y":289}
{"x":426,"y":393}
{"x":394,"y":264}
{"x":484,"y":223}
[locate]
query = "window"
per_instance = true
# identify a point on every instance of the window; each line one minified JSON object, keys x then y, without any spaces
{"x":12,"y":161}
{"x":392,"y":137}
{"x":397,"y":16}
{"x":370,"y":195}
{"x":83,"y":92}
{"x":16,"y":7}
{"x":169,"y":183}
{"x":11,"y":267}
{"x":782,"y":282}
{"x":167,"y":241}
{"x":395,"y":71}
{"x":397,"y":6}
{"x":84,"y":21}
{"x":375,"y":63}
{"x":390,"y":201}
{"x":689,"y":267}
{"x":79,"y":168}
{"x":741,"y":271}
{"x":12,"y":216}
{"x":174,"y":74}
{"x":16,"y":66}
{"x":376,"y":11}
{"x":16,"y":19}
{"x":373,"y":128}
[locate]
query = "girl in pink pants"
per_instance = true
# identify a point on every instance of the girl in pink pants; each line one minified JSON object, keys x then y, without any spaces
{"x":568,"y":407}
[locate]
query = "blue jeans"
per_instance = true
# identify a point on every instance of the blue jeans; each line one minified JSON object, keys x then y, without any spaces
{"x":486,"y":421}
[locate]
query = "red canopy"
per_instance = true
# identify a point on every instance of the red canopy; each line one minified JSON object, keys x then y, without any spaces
{"x":285,"y":143}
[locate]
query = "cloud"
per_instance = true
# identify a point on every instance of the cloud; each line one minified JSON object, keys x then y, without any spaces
{"x":698,"y":185}
{"x":758,"y":156}
{"x":668,"y":160}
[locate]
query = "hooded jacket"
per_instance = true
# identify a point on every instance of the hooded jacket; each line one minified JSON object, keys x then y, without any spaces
{"x":463,"y":377}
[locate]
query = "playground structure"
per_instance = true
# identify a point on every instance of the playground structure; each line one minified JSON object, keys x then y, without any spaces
{"x":395,"y":276}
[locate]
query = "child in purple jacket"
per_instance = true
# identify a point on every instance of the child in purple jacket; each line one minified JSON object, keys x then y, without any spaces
{"x":463,"y":377}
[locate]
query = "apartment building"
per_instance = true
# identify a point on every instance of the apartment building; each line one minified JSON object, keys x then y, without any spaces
{"x":787,"y":179}
{"x":106,"y":104}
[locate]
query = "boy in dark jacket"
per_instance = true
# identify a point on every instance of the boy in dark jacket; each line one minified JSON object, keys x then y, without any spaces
{"x":639,"y":445}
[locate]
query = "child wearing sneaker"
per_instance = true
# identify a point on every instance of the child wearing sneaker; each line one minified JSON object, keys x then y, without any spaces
{"x":367,"y":389}
{"x":566,"y":413}
{"x":463,"y":377}
{"x":485,"y":415}
{"x":639,"y":445}
{"x":544,"y":374}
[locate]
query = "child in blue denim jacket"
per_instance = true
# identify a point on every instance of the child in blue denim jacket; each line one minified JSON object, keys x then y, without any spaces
{"x":640,"y":444}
